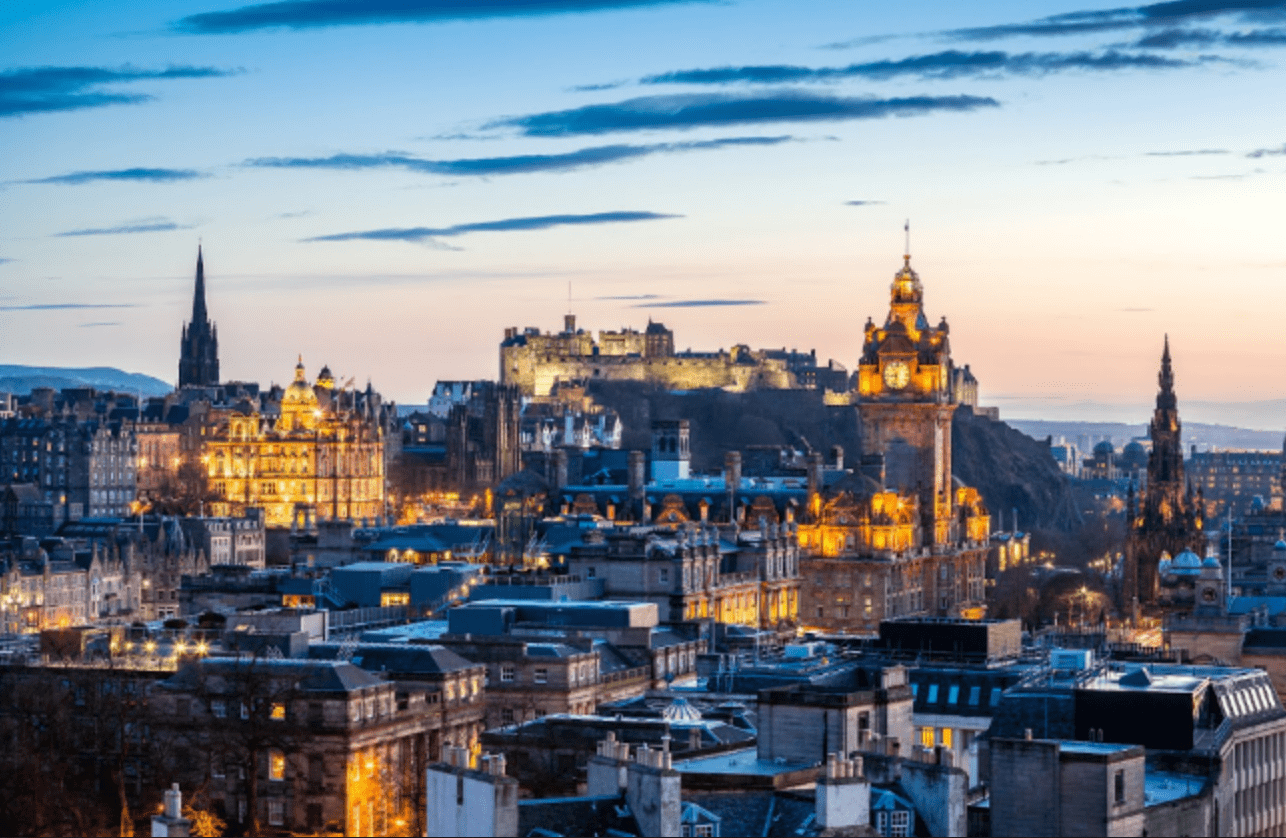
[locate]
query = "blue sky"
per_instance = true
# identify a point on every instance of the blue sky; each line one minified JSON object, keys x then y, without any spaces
{"x":385,"y":186}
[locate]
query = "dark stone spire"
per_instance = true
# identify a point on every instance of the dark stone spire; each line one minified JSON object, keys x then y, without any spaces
{"x":198,"y":296}
{"x":1165,"y":380}
{"x":199,"y":348}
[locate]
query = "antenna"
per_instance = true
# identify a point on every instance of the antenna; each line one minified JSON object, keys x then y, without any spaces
{"x":906,"y":254}
{"x":569,"y":296}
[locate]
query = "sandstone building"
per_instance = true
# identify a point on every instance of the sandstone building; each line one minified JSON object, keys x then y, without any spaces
{"x":900,"y":536}
{"x":536,"y":361}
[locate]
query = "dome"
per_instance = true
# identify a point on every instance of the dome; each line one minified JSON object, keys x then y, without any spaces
{"x":681,"y":711}
{"x":1104,"y":447}
{"x":1186,"y":562}
{"x":1280,"y":545}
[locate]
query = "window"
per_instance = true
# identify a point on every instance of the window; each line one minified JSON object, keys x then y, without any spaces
{"x":507,"y":715}
{"x":664,"y":574}
{"x":944,"y":737}
{"x":1119,"y":785}
{"x":276,"y":811}
{"x":933,"y":694}
{"x":995,"y":696}
{"x":278,"y":713}
{"x":899,"y":823}
{"x":245,"y":711}
{"x":276,"y":765}
{"x":507,"y":672}
{"x":541,"y":675}
{"x":589,"y":573}
{"x":975,"y":693}
{"x":927,"y":737}
{"x":953,"y":694}
{"x":703,"y":830}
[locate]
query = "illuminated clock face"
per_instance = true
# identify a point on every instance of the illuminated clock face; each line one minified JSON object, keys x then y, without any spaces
{"x":897,"y":374}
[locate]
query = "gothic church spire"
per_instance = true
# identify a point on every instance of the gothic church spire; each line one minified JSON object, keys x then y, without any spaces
{"x":199,"y":347}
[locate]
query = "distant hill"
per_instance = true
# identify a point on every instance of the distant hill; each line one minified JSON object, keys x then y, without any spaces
{"x":1194,"y":433}
{"x":20,"y":380}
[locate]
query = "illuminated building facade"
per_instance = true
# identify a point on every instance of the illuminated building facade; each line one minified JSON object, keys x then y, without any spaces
{"x":899,"y":537}
{"x":317,"y":454}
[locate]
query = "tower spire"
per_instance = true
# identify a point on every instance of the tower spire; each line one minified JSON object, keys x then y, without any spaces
{"x":906,"y":253}
{"x":1165,"y":380}
{"x":198,"y":295}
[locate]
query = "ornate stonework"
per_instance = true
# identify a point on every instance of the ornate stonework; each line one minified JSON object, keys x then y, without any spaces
{"x":199,"y":347}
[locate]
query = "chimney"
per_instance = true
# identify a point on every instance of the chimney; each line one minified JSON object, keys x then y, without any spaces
{"x":653,"y":792}
{"x":172,"y":822}
{"x":837,"y":454}
{"x":732,"y":479}
{"x":606,"y":773}
{"x":637,"y":482}
{"x":814,"y":481}
{"x":873,"y":467}
{"x":843,"y":796}
{"x":560,"y":468}
{"x":463,"y":801}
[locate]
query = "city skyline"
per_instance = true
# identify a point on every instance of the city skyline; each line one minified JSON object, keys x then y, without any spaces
{"x":385,"y":188}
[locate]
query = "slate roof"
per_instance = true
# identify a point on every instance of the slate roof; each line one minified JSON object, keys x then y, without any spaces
{"x":396,"y":660}
{"x":311,"y":676}
{"x":576,"y":816}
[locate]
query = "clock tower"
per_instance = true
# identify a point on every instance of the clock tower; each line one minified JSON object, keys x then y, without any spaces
{"x":904,"y":404}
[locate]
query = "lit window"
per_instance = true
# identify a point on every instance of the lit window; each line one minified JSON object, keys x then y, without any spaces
{"x":933,"y":694}
{"x":953,"y":694}
{"x":927,"y":738}
{"x":278,"y":712}
{"x":944,"y":737}
{"x":507,"y":672}
{"x":276,"y":765}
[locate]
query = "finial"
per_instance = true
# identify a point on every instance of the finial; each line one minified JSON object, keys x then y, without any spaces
{"x":906,"y":254}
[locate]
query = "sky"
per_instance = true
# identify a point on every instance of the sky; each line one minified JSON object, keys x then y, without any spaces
{"x":384,"y":186}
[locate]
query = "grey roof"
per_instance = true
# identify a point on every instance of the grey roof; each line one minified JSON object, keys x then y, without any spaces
{"x":397,"y":660}
{"x":310,"y":675}
{"x":576,"y":816}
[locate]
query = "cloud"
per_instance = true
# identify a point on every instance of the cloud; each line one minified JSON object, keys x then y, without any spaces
{"x":1196,"y":152}
{"x":632,"y":297}
{"x":948,"y":64}
{"x":513,"y":165}
{"x":4,"y":261}
{"x":47,"y":89}
{"x":139,"y":174}
{"x":700,"y":303}
{"x":1266,"y":152}
{"x":100,"y":323}
{"x":540,"y":222}
{"x":64,"y":306}
{"x":862,"y":203}
{"x":695,"y":110}
{"x":1176,"y":38}
{"x":308,"y":14}
{"x":1154,"y":14}
{"x":145,"y":226}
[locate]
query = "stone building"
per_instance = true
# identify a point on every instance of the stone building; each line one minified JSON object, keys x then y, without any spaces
{"x":314,"y":454}
{"x":1167,"y":519}
{"x":695,"y":571}
{"x":900,"y":536}
{"x":296,"y":745}
{"x":1127,"y":749}
{"x":1233,"y":480}
{"x":85,"y":468}
{"x":535,"y":362}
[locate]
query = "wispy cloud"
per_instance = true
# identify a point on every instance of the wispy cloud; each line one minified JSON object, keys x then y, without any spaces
{"x":631,"y":297}
{"x":1179,"y":38}
{"x":309,"y":14}
{"x":100,"y":323}
{"x":64,"y":306}
{"x":512,"y":165}
{"x":1267,"y":152}
{"x":862,"y":203}
{"x":1166,"y":14}
{"x":695,"y":110}
{"x":539,"y":222}
{"x":948,"y":64}
{"x":700,"y":303}
{"x":1196,"y":152}
{"x":4,"y":261}
{"x":46,"y":89}
{"x":144,"y":226}
{"x":136,"y":174}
